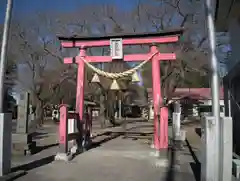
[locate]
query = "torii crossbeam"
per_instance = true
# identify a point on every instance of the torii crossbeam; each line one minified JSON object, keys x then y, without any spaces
{"x":160,"y":126}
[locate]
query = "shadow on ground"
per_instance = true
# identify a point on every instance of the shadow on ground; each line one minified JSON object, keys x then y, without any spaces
{"x":196,"y":165}
{"x":22,"y":170}
{"x":171,"y":172}
{"x":110,"y":135}
{"x":34,"y":164}
{"x":39,"y":134}
{"x":38,"y":149}
{"x":198,"y":131}
{"x":104,"y":137}
{"x":128,"y":134}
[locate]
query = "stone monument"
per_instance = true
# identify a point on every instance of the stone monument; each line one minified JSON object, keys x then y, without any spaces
{"x":22,"y":142}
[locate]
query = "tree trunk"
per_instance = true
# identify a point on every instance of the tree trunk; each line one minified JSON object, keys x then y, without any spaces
{"x":112,"y":108}
{"x":102,"y":111}
{"x":37,"y":105}
{"x":39,"y":113}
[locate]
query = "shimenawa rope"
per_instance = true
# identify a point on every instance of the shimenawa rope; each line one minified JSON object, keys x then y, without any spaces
{"x":120,"y":74}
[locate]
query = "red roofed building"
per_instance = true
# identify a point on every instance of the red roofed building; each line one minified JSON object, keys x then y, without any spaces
{"x":194,"y":101}
{"x":193,"y":93}
{"x":196,"y":93}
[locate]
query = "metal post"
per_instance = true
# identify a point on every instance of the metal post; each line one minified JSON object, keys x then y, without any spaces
{"x":5,"y":119}
{"x":4,"y":50}
{"x":214,"y":83}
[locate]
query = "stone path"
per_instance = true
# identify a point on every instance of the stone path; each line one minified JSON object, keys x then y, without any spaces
{"x":121,"y":159}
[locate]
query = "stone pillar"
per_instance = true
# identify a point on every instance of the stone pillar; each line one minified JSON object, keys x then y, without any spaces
{"x":176,"y":119}
{"x":210,"y":150}
{"x":23,"y":112}
{"x":22,"y":136}
{"x":32,"y":124}
{"x":5,"y":143}
{"x":178,"y":134}
{"x":226,"y":149}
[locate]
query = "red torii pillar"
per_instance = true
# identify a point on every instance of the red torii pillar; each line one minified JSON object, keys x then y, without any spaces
{"x":160,"y":136}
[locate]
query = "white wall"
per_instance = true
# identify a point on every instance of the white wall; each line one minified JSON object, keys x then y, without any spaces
{"x":209,"y":102}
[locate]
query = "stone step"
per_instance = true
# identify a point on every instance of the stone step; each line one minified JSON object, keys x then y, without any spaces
{"x":236,"y":168}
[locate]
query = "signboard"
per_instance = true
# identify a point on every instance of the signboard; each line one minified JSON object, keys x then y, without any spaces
{"x":116,"y":48}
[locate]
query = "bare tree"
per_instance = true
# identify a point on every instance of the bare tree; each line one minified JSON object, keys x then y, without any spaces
{"x":191,"y":57}
{"x":107,"y":19}
{"x":42,"y":70}
{"x":37,"y":48}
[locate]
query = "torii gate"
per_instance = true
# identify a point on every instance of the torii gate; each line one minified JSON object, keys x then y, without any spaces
{"x":160,"y":126}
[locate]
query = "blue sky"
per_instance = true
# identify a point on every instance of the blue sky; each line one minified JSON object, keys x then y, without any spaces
{"x":27,"y":7}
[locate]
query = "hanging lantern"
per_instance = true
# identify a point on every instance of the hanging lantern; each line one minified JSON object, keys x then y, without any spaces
{"x":114,"y":85}
{"x":135,"y":77}
{"x":95,"y":78}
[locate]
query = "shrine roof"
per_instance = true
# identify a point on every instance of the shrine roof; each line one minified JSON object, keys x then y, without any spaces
{"x":171,"y":32}
{"x":194,"y":93}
